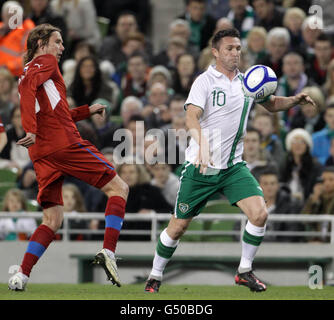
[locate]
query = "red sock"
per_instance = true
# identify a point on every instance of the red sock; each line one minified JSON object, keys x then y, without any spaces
{"x":114,"y":216}
{"x":38,"y":243}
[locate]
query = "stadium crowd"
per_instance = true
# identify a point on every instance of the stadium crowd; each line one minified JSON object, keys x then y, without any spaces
{"x":291,"y":153}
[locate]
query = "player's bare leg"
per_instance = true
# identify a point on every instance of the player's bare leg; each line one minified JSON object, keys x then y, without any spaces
{"x":255,"y":209}
{"x":117,"y":192}
{"x":167,"y":244}
{"x":39,"y":241}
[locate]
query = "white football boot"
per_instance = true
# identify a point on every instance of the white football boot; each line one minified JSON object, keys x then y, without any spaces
{"x":108,"y":263}
{"x":18,"y":282}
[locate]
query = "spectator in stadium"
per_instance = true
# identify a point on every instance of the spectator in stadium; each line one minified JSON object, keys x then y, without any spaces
{"x":322,"y":138}
{"x":143,"y":198}
{"x":163,"y":75}
{"x":217,"y":8}
{"x":111,"y":44}
{"x":267,"y":14}
{"x":256,"y":157}
{"x":130,"y":106}
{"x":73,"y":204}
{"x":185,"y":74}
{"x":176,"y":46}
{"x":81,"y":50}
{"x":327,"y":10}
{"x":319,"y":63}
{"x":156,"y":112}
{"x":293,"y":21}
{"x":330,"y":159}
{"x":279,"y":201}
{"x":292,"y":81}
{"x":300,"y":170}
{"x":41,"y":12}
{"x":328,"y":86}
{"x":278,"y":43}
{"x":13,"y":38}
{"x":307,"y":117}
{"x":18,"y":157}
{"x":242,"y":17}
{"x":134,"y":138}
{"x":256,"y":44}
{"x":321,"y":200}
{"x":16,"y":228}
{"x":89,"y":84}
{"x":27,"y":181}
{"x":264,"y":122}
{"x":181,"y":28}
{"x":176,"y":137}
{"x":311,"y":29}
{"x":6,"y":86}
{"x":80,"y":18}
{"x":201,"y":23}
{"x":134,"y":82}
{"x":164,"y":179}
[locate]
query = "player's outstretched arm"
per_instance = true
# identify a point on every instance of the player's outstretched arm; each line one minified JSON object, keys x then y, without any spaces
{"x":277,"y":103}
{"x":192,"y":121}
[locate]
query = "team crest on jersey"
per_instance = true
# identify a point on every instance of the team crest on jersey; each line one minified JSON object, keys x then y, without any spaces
{"x":183,"y":207}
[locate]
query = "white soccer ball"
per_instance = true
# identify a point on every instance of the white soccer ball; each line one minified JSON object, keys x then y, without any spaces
{"x":259,"y":82}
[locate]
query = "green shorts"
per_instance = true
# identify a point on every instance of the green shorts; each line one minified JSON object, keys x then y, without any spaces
{"x":236,"y":183}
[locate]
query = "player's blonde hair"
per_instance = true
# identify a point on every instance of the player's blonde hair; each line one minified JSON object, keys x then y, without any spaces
{"x":42,"y":32}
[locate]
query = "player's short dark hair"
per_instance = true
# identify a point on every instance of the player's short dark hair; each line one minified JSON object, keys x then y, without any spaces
{"x":231,"y":32}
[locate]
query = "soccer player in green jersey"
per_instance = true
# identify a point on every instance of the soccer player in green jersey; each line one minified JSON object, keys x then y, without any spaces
{"x":216,"y":115}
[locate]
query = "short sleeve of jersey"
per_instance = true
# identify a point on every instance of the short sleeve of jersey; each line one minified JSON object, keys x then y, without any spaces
{"x":198,"y":93}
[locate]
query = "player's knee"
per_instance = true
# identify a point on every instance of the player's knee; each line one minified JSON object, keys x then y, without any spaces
{"x":53,"y":221}
{"x":53,"y":224}
{"x":177,"y":231}
{"x":260,"y":217}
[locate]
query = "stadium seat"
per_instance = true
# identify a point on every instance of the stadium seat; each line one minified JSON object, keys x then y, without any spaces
{"x":222,"y":207}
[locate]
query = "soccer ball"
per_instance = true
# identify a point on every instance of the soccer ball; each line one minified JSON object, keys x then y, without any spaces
{"x":259,"y":82}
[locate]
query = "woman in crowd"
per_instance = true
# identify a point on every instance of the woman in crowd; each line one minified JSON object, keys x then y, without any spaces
{"x":16,"y":228}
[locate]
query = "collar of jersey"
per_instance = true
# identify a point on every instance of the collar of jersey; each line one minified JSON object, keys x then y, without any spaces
{"x":218,"y":74}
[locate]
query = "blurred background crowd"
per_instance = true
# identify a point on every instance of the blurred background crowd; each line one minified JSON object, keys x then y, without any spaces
{"x":110,"y":58}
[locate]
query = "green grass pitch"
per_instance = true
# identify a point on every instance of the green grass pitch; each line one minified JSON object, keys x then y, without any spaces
{"x":94,"y":291}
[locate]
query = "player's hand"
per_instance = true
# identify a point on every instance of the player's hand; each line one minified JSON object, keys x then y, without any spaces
{"x":28,"y":140}
{"x":303,"y":98}
{"x":203,"y":158}
{"x":97,"y":109}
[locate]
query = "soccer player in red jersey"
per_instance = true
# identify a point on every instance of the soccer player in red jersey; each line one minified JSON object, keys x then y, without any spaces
{"x":57,"y":149}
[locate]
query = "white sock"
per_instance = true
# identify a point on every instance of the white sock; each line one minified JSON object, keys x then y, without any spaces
{"x":249,"y":250}
{"x":159,"y":263}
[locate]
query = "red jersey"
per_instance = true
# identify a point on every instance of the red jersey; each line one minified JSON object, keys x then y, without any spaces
{"x":44,"y":108}
{"x":2,"y":128}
